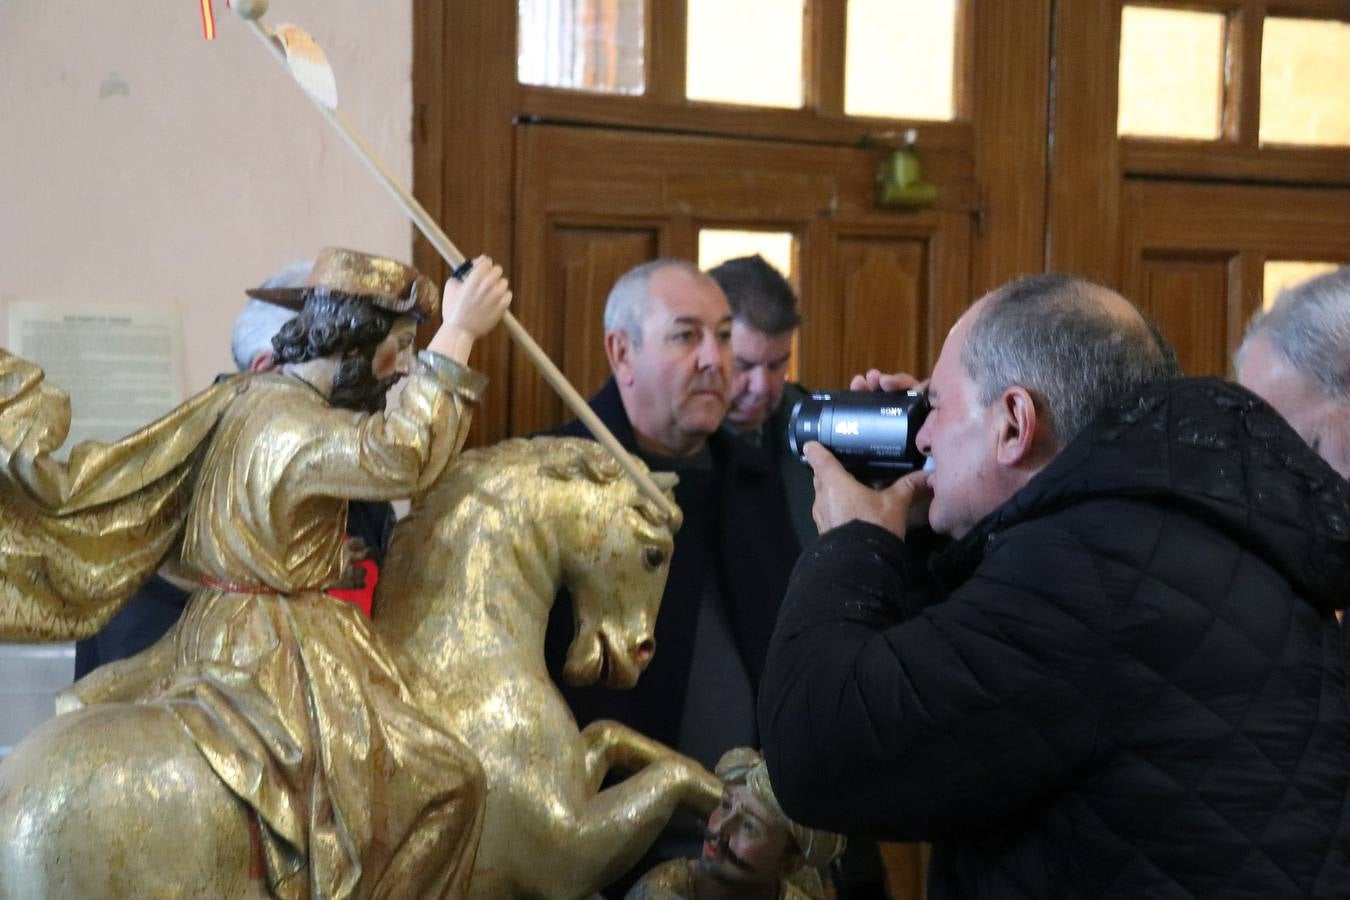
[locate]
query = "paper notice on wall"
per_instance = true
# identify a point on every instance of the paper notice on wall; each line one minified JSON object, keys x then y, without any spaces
{"x":121,"y":364}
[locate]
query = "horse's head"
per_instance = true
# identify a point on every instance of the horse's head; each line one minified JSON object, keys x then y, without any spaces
{"x":614,"y":548}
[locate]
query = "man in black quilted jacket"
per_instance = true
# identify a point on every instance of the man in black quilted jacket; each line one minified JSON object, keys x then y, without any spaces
{"x":1115,"y":671}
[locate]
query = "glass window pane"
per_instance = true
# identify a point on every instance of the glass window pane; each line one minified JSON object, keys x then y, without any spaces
{"x":717,"y":245}
{"x":1287,"y":273}
{"x":588,"y":45}
{"x":1171,"y":73}
{"x":900,"y":60}
{"x":745,"y":51}
{"x":1305,"y":82}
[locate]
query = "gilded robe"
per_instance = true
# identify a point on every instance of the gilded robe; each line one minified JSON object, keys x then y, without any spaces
{"x":288,"y":694}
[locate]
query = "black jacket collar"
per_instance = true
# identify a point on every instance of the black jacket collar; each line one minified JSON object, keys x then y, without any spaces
{"x":1209,"y":448}
{"x":726,"y":447}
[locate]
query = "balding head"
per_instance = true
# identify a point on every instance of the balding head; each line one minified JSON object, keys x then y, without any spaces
{"x":1019,"y":376}
{"x":1077,"y":347}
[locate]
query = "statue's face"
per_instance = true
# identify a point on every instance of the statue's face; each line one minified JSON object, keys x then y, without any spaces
{"x":745,"y":842}
{"x":393,"y":356}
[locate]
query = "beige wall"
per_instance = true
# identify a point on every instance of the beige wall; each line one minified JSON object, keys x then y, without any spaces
{"x":139,"y":163}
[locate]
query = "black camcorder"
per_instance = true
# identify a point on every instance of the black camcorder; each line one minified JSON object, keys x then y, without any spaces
{"x":872,"y":433}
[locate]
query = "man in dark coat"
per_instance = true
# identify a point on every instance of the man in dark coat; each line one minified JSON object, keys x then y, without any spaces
{"x":1123,"y":677}
{"x":667,"y":331}
{"x":764,"y":325}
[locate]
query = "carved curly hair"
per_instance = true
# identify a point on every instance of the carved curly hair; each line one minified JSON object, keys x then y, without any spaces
{"x":331,"y":322}
{"x":335,"y":322}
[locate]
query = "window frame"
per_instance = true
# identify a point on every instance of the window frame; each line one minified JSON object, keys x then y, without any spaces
{"x":1237,"y":154}
{"x":821,"y":118}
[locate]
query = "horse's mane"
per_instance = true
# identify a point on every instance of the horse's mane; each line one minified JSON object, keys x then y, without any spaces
{"x":503,"y":467}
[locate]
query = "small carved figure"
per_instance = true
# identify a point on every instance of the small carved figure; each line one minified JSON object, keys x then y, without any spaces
{"x":751,"y":851}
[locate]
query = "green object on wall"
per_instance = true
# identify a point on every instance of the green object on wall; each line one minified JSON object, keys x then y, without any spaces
{"x":900,"y":182}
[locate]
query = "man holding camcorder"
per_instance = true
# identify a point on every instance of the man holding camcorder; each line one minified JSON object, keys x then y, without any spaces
{"x":1091,"y":651}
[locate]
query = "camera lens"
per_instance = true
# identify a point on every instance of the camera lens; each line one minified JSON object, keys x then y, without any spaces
{"x":872,"y":433}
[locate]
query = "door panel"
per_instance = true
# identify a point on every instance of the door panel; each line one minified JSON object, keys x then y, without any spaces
{"x":584,"y":263}
{"x":1186,"y":297}
{"x":884,"y":289}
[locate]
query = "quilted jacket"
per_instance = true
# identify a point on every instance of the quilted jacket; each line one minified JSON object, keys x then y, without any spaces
{"x":1127,"y":681}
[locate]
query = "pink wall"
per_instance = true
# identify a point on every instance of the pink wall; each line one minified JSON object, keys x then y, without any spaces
{"x":139,"y":163}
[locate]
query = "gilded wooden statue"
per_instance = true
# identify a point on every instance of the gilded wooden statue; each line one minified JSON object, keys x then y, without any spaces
{"x":470,"y":578}
{"x":277,"y":749}
{"x":276,"y":743}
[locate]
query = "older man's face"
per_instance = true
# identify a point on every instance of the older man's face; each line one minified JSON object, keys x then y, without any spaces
{"x":759,"y":371}
{"x":677,"y":378}
{"x":1322,"y":422}
{"x":961,"y":436}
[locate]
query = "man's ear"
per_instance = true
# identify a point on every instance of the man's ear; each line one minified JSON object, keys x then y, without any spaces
{"x":619,"y":350}
{"x":262,"y":362}
{"x":1017,"y":424}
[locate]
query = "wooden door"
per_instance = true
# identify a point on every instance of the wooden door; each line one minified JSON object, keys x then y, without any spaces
{"x":1194,"y":229}
{"x":572,"y":187}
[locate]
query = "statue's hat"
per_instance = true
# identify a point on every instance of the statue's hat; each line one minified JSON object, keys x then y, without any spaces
{"x":387,"y":283}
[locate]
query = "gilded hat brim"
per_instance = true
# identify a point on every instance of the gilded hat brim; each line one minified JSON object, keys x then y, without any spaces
{"x":422,"y":301}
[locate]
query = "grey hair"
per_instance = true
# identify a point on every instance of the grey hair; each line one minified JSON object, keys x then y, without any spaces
{"x":1056,"y":337}
{"x":1309,"y":324}
{"x":627,"y":302}
{"x":260,"y":320}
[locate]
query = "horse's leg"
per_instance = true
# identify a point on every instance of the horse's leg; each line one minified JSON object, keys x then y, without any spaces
{"x":115,"y":801}
{"x":612,"y":745}
{"x":617,"y":825}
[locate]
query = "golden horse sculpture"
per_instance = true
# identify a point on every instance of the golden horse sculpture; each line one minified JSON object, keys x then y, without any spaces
{"x":114,"y":800}
{"x":470,"y":579}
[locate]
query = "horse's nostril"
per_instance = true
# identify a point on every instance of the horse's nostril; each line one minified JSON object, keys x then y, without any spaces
{"x":644,"y":651}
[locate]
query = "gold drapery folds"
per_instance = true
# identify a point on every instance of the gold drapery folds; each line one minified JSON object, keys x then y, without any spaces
{"x":77,"y":538}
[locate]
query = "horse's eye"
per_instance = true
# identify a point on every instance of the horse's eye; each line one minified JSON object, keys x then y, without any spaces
{"x":653,"y":557}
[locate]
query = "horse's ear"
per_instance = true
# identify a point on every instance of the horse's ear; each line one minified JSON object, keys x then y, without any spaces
{"x":659,"y":515}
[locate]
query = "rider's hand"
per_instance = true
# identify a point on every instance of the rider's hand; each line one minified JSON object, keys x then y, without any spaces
{"x":841,"y":498}
{"x":470,"y":309}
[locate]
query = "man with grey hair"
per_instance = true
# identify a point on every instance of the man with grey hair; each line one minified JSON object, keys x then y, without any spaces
{"x":258,"y":323}
{"x":667,"y":332}
{"x":1093,"y":651}
{"x":1296,"y":356}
